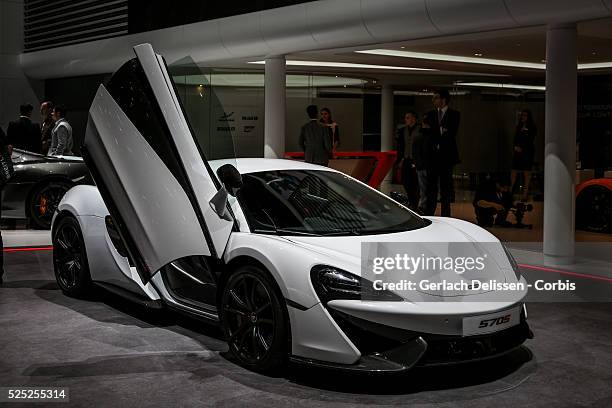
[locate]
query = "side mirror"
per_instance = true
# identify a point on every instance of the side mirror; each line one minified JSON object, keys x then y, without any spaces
{"x":231,"y":181}
{"x":230,"y":178}
{"x":219,"y":204}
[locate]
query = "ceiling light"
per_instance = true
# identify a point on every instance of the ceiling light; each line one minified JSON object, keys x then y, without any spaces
{"x":478,"y":54}
{"x":256,"y":80}
{"x":453,"y":58}
{"x":473,"y":60}
{"x":505,"y":86}
{"x":596,"y":65}
{"x":428,"y":93}
{"x":345,"y":65}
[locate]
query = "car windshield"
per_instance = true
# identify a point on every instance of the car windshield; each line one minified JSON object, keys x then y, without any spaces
{"x":313,"y":202}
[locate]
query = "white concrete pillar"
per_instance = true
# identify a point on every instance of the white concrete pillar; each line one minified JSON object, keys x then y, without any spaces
{"x":274,"y":106}
{"x":560,"y":148}
{"x":386,"y":118}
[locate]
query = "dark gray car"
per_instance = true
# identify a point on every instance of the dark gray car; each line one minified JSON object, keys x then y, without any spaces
{"x":39,"y":184}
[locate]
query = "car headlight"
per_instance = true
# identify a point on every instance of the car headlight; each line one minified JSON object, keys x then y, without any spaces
{"x":515,"y":266}
{"x":332,"y":283}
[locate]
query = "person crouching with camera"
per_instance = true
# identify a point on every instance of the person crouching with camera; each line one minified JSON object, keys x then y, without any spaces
{"x":492,"y":202}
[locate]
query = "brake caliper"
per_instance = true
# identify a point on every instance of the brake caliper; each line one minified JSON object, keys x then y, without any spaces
{"x":43,"y":205}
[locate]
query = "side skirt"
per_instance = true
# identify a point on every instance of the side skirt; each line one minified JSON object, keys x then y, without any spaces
{"x":124,"y":293}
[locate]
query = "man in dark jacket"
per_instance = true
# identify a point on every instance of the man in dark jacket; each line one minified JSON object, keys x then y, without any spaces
{"x":404,"y":141}
{"x":314,"y":139}
{"x":445,"y":154}
{"x":23,"y":134}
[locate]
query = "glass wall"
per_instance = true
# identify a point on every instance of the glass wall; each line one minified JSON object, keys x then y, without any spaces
{"x":224,"y":105}
{"x":226,"y":110}
{"x":486,"y":141}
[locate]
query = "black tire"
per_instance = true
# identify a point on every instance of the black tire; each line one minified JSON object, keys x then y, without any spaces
{"x":43,"y":202}
{"x":70,"y":258}
{"x":594,"y":209}
{"x":254,"y":319}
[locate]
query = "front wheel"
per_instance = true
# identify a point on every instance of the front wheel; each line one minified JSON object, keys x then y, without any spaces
{"x":254,"y":319}
{"x":70,"y":259}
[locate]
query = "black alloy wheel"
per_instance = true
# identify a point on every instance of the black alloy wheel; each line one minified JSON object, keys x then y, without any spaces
{"x":594,"y":209}
{"x":70,"y":259}
{"x":44,"y":201}
{"x":254,"y":319}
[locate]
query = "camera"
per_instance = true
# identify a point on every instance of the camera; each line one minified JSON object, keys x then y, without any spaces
{"x":519,"y":209}
{"x":523,"y":207}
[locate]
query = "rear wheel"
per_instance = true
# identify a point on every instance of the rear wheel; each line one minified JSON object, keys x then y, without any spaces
{"x":70,"y":259}
{"x":254,"y":319}
{"x":594,"y":209}
{"x":44,"y":201}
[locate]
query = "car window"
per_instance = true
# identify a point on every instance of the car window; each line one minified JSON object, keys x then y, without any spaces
{"x":316,"y":202}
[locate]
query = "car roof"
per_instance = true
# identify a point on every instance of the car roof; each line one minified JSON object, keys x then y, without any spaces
{"x":253,"y":165}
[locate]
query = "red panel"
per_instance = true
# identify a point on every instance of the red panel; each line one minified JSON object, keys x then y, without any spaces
{"x":380,"y":164}
{"x":605,"y":182}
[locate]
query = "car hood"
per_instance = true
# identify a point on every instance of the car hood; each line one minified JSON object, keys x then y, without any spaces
{"x":438,"y":239}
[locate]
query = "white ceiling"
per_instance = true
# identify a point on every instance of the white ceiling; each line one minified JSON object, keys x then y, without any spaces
{"x":522,"y":44}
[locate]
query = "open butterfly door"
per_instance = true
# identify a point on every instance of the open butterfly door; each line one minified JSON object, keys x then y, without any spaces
{"x":152,"y":174}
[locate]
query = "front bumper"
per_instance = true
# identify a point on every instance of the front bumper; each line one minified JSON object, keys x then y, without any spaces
{"x":386,"y":348}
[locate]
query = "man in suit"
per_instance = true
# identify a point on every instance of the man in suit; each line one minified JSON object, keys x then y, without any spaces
{"x":23,"y":134}
{"x":314,"y":139}
{"x":444,"y":153}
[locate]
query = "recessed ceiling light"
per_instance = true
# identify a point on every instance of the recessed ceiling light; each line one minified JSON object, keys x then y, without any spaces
{"x":473,"y":60}
{"x":453,"y":58}
{"x":596,"y":65}
{"x":478,"y":54}
{"x":345,"y":65}
{"x":428,"y":93}
{"x":402,"y":47}
{"x":505,"y":86}
{"x":255,"y":80}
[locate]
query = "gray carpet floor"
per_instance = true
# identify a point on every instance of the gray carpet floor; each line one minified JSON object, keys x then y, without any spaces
{"x":109,"y":352}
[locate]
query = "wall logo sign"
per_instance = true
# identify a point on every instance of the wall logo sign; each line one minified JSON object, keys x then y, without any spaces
{"x":226,"y":117}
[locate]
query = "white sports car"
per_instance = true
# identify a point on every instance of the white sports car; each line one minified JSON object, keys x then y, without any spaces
{"x":269,"y":249}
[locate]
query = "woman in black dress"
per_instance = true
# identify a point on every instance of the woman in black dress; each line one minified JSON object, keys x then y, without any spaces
{"x":524,"y":149}
{"x":332,"y":126}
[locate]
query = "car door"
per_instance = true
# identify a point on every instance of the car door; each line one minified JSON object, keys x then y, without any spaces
{"x":153,"y":176}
